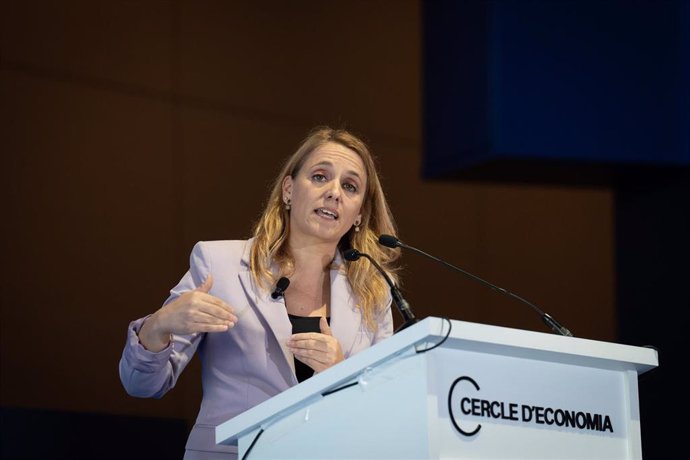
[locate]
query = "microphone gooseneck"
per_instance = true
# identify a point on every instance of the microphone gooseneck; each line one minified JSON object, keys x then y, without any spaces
{"x":353,"y":255}
{"x":393,"y":242}
{"x":281,"y":286}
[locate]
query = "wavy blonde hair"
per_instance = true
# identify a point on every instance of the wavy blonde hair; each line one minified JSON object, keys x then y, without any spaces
{"x":270,"y":249}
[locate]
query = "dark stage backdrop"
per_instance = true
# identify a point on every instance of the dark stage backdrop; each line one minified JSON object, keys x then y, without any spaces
{"x":130,"y":130}
{"x":581,"y":93}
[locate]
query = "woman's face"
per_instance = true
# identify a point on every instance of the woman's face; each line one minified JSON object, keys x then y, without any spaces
{"x":326,"y":195}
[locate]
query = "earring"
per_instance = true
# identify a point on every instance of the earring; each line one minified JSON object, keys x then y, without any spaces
{"x":357,"y":226}
{"x":288,"y":204}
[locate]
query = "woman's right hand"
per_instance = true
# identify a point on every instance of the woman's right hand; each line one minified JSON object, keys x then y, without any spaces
{"x":193,"y":311}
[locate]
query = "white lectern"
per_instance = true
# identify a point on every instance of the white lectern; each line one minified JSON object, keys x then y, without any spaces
{"x":486,"y":392}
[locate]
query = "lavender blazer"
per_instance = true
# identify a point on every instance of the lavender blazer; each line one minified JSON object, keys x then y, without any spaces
{"x":247,"y":364}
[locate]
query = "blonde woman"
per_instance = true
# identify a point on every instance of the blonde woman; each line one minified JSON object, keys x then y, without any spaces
{"x":254,"y":345}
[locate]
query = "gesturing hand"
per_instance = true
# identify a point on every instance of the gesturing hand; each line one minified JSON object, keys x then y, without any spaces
{"x":194,"y":311}
{"x":317,"y":350}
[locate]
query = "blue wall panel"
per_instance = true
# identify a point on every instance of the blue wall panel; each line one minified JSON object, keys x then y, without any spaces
{"x":549,"y":82}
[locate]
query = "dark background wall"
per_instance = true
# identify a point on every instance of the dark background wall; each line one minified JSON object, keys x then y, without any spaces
{"x":130,"y":130}
{"x":582,"y":93}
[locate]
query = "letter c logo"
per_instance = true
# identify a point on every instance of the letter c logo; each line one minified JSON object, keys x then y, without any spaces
{"x":450,"y":406}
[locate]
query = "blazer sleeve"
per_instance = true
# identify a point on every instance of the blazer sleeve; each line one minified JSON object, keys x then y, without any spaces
{"x":148,"y":374}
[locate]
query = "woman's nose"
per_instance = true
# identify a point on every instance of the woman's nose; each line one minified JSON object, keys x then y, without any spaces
{"x":333,"y":191}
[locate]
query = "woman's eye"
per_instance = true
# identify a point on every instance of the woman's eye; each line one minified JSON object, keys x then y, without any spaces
{"x":318,"y":177}
{"x":350,"y":187}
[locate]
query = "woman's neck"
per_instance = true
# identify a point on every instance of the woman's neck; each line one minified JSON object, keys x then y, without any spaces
{"x":312,"y":259}
{"x":309,"y":293}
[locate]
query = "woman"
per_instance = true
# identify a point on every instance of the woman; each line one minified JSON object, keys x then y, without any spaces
{"x":253,"y":346}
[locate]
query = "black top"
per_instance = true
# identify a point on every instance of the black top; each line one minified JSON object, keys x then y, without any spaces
{"x":304,"y":324}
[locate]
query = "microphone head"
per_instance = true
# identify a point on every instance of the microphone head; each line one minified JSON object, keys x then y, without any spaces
{"x":351,"y":254}
{"x":283,"y":283}
{"x":389,"y":241}
{"x":281,"y":286}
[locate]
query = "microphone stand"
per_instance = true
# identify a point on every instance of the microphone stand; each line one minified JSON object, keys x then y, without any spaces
{"x":402,"y":304}
{"x":393,"y":242}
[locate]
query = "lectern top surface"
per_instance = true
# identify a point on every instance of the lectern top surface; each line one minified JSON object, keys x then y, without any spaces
{"x":467,"y":336}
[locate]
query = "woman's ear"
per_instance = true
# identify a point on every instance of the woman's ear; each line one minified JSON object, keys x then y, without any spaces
{"x":287,"y":188}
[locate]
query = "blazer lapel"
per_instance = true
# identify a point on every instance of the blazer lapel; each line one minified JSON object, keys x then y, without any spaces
{"x":346,"y":319}
{"x":272,"y":310}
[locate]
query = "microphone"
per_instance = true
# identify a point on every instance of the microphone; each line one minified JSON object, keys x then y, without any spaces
{"x":392,"y":242}
{"x":403,"y":307}
{"x":281,"y":286}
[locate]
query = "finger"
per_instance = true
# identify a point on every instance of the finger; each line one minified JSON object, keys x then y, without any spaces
{"x":308,"y":361}
{"x":194,"y":327}
{"x":206,"y":285}
{"x":197,"y":299}
{"x":311,"y":357}
{"x":325,"y":328}
{"x":320,"y":346}
{"x":308,"y":336}
{"x":223,"y":311}
{"x":215,"y":300}
{"x":201,"y":327}
{"x":202,"y":317}
{"x":310,"y":344}
{"x":316,"y":366}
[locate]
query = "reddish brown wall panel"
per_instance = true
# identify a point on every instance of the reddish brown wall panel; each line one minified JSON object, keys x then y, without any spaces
{"x":130,"y":130}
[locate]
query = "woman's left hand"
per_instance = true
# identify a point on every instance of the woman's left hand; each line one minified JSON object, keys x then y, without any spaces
{"x":318,"y":351}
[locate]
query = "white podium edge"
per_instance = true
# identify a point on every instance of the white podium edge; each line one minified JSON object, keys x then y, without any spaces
{"x":469,"y":336}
